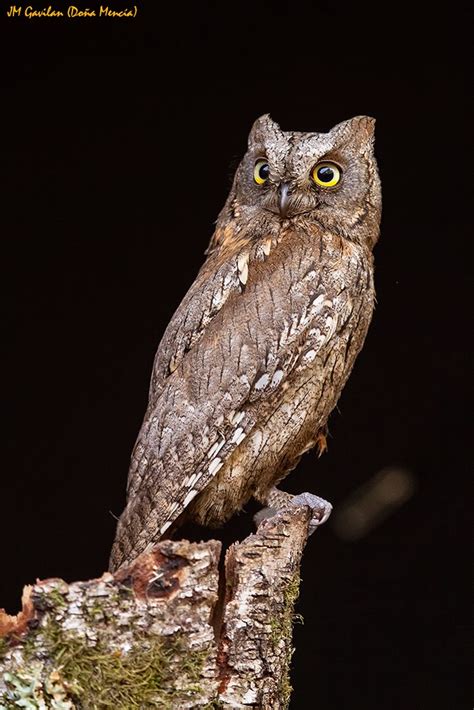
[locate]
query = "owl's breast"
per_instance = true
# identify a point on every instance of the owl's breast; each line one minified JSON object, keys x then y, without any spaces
{"x":319,"y":315}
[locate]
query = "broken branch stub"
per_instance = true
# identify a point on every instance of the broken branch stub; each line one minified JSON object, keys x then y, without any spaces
{"x":163,"y":632}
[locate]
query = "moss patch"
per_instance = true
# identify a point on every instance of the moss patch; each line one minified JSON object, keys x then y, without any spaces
{"x":77,"y":675}
{"x":282,"y":630}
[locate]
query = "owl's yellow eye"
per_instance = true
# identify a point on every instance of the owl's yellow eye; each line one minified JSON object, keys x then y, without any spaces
{"x":326,"y":174}
{"x":261,"y":172}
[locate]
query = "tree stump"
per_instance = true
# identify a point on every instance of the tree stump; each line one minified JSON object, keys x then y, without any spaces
{"x":167,"y":631}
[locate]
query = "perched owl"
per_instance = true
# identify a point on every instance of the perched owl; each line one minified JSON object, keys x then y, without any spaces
{"x":256,"y":356}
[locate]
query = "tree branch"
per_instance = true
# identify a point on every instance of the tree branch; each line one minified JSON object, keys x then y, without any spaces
{"x":167,"y":631}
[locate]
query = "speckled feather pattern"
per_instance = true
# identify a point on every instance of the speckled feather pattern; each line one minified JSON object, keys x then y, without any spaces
{"x":255,"y":358}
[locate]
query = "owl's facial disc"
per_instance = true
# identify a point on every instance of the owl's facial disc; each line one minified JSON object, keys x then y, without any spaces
{"x":328,"y":178}
{"x":288,"y":195}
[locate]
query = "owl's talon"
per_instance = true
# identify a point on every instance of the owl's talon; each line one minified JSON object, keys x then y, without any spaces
{"x":279,"y":499}
{"x":321,"y":509}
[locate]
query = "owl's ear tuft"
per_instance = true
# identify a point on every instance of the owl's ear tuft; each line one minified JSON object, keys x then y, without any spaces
{"x":263,"y":127}
{"x":360,"y":128}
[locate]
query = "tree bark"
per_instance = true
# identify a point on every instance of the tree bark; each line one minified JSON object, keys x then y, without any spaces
{"x":168,"y":631}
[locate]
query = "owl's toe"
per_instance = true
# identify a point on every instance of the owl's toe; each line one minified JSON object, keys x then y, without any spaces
{"x":278,"y":500}
{"x":321,"y":509}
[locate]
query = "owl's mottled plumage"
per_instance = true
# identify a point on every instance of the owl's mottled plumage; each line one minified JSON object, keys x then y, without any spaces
{"x":256,"y":356}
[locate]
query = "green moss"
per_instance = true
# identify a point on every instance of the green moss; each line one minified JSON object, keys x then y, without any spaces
{"x":55,"y":599}
{"x":281,"y":630}
{"x":140,"y":678}
{"x":78,"y":675}
{"x":282,"y":625}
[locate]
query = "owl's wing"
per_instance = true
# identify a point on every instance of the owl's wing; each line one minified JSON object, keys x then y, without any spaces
{"x":283,"y":318}
{"x":213,"y":285}
{"x":215,"y":282}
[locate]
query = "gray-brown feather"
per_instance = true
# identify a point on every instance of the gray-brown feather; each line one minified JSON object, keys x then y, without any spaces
{"x":252,"y":362}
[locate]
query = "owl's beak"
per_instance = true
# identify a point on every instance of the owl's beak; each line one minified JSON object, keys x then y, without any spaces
{"x":283,"y":199}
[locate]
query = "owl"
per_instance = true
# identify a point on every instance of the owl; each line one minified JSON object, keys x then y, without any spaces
{"x":257,"y":354}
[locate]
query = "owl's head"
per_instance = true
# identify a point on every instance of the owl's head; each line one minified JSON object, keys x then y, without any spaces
{"x":327,"y":178}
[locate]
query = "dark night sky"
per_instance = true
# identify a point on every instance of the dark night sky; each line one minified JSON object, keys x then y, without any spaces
{"x":115,"y":161}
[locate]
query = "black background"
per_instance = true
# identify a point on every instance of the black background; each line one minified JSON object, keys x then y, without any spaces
{"x":116,"y":158}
